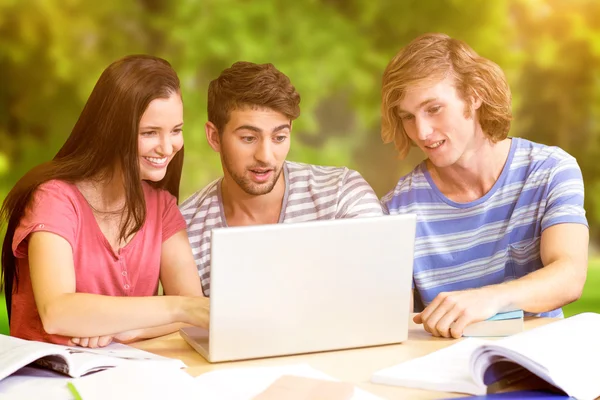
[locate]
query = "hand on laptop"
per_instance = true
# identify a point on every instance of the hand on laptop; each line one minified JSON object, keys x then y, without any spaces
{"x":450,"y":312}
{"x":189,"y":310}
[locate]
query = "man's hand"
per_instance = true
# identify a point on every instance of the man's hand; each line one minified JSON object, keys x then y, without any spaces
{"x":450,"y":312}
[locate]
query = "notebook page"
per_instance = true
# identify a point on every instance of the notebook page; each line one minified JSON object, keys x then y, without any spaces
{"x":16,"y":353}
{"x":35,"y":383}
{"x":445,"y":370}
{"x":148,"y":381}
{"x":84,"y":360}
{"x":245,"y":383}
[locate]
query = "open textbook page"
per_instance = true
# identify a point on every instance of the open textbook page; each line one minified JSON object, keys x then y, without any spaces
{"x":75,"y":361}
{"x":445,"y":370}
{"x":563,"y":353}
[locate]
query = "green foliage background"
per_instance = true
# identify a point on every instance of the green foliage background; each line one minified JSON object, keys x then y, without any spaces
{"x":53,"y":51}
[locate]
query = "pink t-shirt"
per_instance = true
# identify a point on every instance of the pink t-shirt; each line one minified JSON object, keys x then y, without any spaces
{"x":60,"y":208}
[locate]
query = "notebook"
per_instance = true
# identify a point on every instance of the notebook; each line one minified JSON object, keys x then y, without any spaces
{"x":136,"y":381}
{"x":74,"y":361}
{"x":251,"y":382}
{"x":291,"y":387}
{"x":563,"y":353}
{"x":501,"y":324}
{"x":21,"y":377}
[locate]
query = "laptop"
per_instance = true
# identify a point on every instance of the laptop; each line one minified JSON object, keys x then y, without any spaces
{"x":307,"y":287}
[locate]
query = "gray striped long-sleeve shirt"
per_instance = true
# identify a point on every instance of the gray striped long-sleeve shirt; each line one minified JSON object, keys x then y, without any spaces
{"x":312,"y":193}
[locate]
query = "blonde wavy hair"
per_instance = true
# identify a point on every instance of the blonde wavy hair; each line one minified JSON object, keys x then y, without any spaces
{"x":431,"y":58}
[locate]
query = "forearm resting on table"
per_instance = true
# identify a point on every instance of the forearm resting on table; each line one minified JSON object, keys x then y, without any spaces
{"x":89,"y":315}
{"x":546,"y":289}
{"x":149,"y":333}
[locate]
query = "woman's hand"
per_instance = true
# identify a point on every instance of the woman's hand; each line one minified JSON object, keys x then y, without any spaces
{"x":197,"y":311}
{"x":92,"y":342}
{"x":129,"y":336}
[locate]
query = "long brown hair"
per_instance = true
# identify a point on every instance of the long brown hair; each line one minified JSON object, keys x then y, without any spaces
{"x":105,"y":136}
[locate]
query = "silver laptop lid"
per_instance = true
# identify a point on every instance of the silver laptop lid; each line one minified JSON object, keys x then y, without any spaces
{"x":306,"y":287}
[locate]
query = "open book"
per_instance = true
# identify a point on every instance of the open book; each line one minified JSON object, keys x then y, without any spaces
{"x":564,"y":353}
{"x":16,"y":353}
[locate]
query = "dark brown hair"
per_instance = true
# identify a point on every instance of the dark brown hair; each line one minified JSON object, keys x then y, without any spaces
{"x":104,"y":137}
{"x":246,"y":84}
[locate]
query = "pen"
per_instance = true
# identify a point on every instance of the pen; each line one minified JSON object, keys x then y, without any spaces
{"x":74,"y":391}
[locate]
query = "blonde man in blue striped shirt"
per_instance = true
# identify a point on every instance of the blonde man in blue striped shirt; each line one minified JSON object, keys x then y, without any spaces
{"x":501,"y":224}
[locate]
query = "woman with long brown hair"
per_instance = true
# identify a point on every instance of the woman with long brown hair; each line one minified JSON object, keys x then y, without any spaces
{"x":91,"y":233}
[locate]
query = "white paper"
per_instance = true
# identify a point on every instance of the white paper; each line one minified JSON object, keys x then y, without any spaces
{"x":446,"y":370}
{"x":137,"y":381}
{"x":35,"y":383}
{"x":245,"y":383}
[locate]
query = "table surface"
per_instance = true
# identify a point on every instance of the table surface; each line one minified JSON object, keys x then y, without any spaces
{"x":355,"y":365}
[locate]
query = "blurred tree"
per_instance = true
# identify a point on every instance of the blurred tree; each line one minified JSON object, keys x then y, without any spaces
{"x":324,"y":55}
{"x":391,"y":25}
{"x":560,"y":84}
{"x":53,"y":51}
{"x":51,"y":54}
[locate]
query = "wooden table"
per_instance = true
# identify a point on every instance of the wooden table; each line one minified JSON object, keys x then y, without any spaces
{"x":355,"y":366}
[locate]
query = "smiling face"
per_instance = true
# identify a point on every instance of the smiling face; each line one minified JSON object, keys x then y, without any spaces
{"x":253,"y":145}
{"x":160,"y":136}
{"x":437,"y":120}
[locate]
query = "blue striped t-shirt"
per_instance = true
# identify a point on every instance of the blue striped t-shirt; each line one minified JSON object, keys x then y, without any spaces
{"x":495,"y":238}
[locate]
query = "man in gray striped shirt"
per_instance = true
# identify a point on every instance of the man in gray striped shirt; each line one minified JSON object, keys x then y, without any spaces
{"x":250,"y":112}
